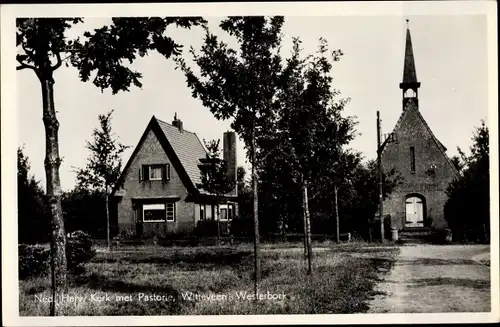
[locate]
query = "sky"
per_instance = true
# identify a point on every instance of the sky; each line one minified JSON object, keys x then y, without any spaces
{"x":450,"y":57}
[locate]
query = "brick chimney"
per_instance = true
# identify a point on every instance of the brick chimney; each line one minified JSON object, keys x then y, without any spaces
{"x":229,"y":155}
{"x":177,"y":123}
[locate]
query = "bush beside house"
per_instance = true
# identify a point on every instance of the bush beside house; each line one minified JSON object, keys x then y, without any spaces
{"x":34,"y":260}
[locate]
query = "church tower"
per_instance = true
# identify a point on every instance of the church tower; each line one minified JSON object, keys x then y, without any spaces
{"x":410,"y":84}
{"x":418,"y":158}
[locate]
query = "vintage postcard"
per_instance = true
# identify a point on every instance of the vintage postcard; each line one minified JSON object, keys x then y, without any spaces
{"x":249,"y":163}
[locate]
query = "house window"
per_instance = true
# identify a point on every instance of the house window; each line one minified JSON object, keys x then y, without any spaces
{"x":158,"y":212}
{"x":155,"y":172}
{"x":153,"y":212}
{"x":208,"y":212}
{"x":226,"y":211}
{"x":223,"y":214}
{"x":412,"y":159}
{"x":202,"y":212}
{"x":170,"y":211}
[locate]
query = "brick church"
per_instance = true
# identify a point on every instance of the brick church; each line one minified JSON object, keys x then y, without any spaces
{"x":416,"y":154}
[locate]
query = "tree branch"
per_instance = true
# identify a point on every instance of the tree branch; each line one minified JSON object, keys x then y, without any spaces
{"x":314,"y":195}
{"x":68,"y":56}
{"x":59,"y":61}
{"x":28,"y":52}
{"x":24,"y":66}
{"x":263,"y":159}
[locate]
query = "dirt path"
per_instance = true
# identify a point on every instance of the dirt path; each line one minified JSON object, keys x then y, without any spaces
{"x":433,"y":279}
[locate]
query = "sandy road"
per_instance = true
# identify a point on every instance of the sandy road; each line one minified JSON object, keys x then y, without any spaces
{"x":434,"y":279}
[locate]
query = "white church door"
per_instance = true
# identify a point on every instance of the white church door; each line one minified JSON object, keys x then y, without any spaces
{"x":414,"y":212}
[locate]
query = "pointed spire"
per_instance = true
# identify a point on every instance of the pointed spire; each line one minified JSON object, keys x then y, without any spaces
{"x":409,"y":73}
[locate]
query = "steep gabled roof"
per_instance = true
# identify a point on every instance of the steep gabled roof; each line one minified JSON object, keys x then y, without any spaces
{"x":412,"y":106}
{"x":409,"y":71}
{"x":188,"y":148}
{"x":183,"y":148}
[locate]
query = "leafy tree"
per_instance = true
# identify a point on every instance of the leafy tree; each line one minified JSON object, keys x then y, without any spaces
{"x":242,"y":224}
{"x":334,"y":188}
{"x":312,"y":127}
{"x":457,"y":163}
{"x":241,"y":84}
{"x":84,"y":210}
{"x":214,"y":177}
{"x":467,"y":209}
{"x":43,"y":47}
{"x":104,"y":164}
{"x":279,"y":195}
{"x":359,"y":200}
{"x":33,"y":219}
{"x":241,"y":179}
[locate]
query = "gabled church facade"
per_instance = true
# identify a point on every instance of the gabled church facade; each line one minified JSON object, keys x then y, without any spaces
{"x":419,"y":158}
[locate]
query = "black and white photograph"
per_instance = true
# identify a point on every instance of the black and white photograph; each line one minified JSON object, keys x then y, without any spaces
{"x":290,"y":162}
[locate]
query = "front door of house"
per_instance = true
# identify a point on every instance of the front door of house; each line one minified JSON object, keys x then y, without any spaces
{"x":414,"y":212}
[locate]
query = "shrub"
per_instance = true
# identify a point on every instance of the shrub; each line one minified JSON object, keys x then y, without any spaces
{"x":442,"y":236}
{"x":124,"y":235}
{"x":78,"y":251}
{"x":242,"y":227}
{"x":34,"y":261}
{"x":206,"y":228}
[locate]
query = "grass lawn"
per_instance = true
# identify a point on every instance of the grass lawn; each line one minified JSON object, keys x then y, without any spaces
{"x":153,"y":280}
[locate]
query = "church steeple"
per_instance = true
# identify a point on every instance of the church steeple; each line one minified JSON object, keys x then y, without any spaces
{"x":410,"y":83}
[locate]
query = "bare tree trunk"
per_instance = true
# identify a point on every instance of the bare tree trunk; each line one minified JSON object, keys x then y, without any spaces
{"x":306,"y":244}
{"x":52,"y":164}
{"x":305,"y":203}
{"x":53,"y":282}
{"x":255,"y":217}
{"x":337,"y":220}
{"x":108,"y":233}
{"x":306,"y":249}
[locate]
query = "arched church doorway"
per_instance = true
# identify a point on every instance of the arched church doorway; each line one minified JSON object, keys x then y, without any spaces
{"x":414,"y":211}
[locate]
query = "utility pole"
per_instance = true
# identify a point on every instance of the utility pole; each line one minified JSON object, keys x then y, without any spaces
{"x":380,"y":181}
{"x":337,"y":218}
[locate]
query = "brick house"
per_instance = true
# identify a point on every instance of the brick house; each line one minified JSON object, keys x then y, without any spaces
{"x":419,"y":158}
{"x":160,"y":194}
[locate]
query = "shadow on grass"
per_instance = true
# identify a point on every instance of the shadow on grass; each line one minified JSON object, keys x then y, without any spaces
{"x":480,"y":284}
{"x":105,"y":284}
{"x":36,"y":286}
{"x":438,"y":262}
{"x":355,"y":249}
{"x":215,"y":257}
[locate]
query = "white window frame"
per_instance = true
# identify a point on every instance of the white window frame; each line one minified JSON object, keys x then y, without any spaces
{"x":150,"y":170}
{"x":202,"y":212}
{"x":174,"y":211}
{"x":226,"y":207}
{"x":156,"y":206}
{"x":167,"y":171}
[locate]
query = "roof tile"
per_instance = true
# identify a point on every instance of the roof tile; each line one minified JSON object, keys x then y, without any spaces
{"x":188,"y":148}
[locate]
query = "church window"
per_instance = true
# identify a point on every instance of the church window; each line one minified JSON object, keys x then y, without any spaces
{"x":410,"y":94}
{"x":412,"y":159}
